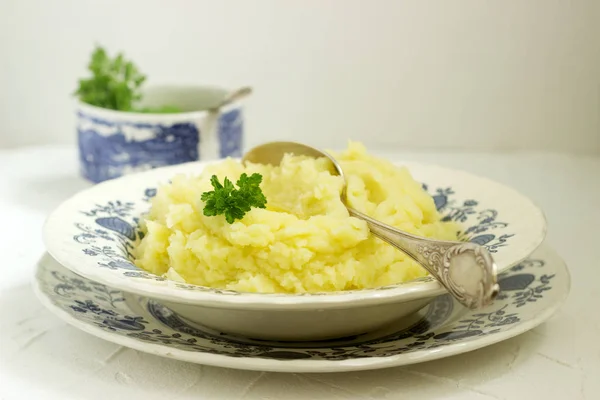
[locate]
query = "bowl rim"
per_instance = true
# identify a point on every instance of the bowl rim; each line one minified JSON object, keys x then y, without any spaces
{"x":169,"y":290}
{"x":125,"y":116}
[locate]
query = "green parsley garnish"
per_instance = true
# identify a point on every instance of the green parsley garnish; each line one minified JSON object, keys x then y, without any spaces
{"x":232,"y":202}
{"x":115,"y":83}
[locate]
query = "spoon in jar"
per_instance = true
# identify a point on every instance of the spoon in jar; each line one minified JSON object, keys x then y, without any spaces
{"x":232,"y":96}
{"x":467,"y":270}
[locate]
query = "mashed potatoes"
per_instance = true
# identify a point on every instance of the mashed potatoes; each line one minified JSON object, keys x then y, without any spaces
{"x":304,"y":241}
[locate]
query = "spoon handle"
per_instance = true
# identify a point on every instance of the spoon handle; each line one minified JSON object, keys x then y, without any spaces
{"x":465,"y":269}
{"x":233,"y":96}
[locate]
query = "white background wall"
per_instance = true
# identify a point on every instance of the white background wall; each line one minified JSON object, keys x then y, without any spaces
{"x":495,"y":74}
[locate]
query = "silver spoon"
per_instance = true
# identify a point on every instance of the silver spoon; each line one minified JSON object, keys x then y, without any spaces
{"x":466,"y":270}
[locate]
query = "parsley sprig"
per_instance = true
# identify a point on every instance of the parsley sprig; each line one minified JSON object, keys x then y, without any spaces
{"x":115,"y":83}
{"x":234,"y":203}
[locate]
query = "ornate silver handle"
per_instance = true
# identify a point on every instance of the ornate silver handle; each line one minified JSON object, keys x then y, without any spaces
{"x":465,"y":269}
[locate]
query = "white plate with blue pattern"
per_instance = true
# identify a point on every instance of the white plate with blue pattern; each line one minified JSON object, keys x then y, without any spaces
{"x":531,"y":292}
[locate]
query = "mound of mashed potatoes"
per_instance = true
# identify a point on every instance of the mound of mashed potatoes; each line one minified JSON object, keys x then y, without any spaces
{"x":304,"y":241}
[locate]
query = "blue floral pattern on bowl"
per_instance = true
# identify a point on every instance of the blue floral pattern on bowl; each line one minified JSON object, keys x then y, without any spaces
{"x":115,"y":222}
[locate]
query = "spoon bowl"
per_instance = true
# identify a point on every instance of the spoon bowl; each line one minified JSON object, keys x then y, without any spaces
{"x":466,"y":270}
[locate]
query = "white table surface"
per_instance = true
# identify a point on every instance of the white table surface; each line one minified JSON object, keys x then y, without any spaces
{"x":42,"y":357}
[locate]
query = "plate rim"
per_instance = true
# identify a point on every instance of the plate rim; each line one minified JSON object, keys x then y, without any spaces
{"x":315,"y":366}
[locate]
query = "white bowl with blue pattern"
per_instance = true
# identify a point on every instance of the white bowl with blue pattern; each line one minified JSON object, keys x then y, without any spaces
{"x":116,"y":143}
{"x":94,"y":232}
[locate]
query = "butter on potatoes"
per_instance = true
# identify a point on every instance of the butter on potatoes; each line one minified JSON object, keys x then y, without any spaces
{"x":304,"y":240}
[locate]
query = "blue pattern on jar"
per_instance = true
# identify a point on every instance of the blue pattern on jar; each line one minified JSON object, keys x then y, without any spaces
{"x":105,"y":156}
{"x":231,"y":133}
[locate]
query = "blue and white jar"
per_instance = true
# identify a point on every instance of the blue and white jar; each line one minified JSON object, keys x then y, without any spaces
{"x":115,"y":143}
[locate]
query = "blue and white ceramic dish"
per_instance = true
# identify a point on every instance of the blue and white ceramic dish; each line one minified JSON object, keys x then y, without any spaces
{"x":94,"y":232}
{"x":116,"y":143}
{"x":531,"y":292}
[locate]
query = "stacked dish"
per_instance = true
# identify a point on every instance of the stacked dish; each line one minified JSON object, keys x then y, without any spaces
{"x":90,"y":279}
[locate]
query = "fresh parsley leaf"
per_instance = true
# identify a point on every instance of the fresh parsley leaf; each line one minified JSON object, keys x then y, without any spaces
{"x":234,"y":202}
{"x":115,"y":83}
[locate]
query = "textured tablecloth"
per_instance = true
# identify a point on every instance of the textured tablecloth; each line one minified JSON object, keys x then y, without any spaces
{"x":42,"y":357}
